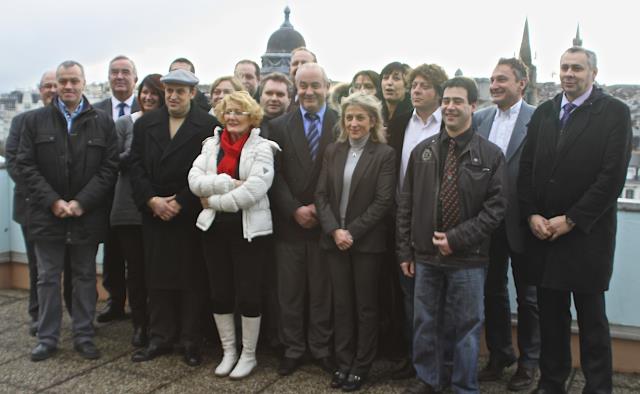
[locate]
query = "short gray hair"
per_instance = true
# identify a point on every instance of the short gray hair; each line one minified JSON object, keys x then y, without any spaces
{"x":592,"y":59}
{"x":312,"y":66}
{"x":123,"y":57}
{"x":68,"y":64}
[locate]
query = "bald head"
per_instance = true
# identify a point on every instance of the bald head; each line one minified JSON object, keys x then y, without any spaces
{"x":48,"y":86}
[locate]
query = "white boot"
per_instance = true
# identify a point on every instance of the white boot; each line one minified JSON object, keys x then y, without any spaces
{"x":247,"y":362}
{"x":227,"y":332}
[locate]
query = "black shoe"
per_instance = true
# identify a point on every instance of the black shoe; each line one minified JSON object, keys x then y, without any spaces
{"x":288,"y":365}
{"x":33,"y":328}
{"x":192,"y":357}
{"x":149,"y":353}
{"x":338,"y":379}
{"x":404,"y":370}
{"x":493,"y":370}
{"x":111,"y":313}
{"x":42,"y":352}
{"x":87,"y":350}
{"x":139,"y":338}
{"x":327,"y":364}
{"x":353,"y":383}
{"x":523,"y":379}
{"x":419,"y":387}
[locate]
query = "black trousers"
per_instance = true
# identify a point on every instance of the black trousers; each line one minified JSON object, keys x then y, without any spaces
{"x":354,"y":281}
{"x":130,"y":243}
{"x":32,"y":263}
{"x":113,"y":270}
{"x":498,"y":310}
{"x":595,"y":340}
{"x":234,"y":267}
{"x":174,"y":315}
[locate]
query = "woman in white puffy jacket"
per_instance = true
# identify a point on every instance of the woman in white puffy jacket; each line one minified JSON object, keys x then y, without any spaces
{"x":232,"y":176}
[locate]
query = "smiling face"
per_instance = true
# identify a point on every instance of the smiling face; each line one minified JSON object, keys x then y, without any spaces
{"x":456,"y":110}
{"x":149,"y":99}
{"x":357,"y":122}
{"x":393,"y":88}
{"x":122,"y":78}
{"x":48,"y":87}
{"x":576,"y":76}
{"x":178,"y":98}
{"x":236,"y":119}
{"x":70,"y":85}
{"x":312,"y":89}
{"x":505,"y":89}
{"x":274,"y":98}
{"x":222,"y":89}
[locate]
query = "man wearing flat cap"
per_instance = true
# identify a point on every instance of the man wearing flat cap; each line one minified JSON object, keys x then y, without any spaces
{"x":165,"y":143}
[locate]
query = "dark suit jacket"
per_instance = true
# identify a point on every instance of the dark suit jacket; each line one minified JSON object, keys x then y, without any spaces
{"x":483,"y":119}
{"x":296,"y":175}
{"x":20,"y":201}
{"x":395,"y":132}
{"x":105,"y":105}
{"x":370,"y":195}
{"x":159,"y":166}
{"x":579,"y":172}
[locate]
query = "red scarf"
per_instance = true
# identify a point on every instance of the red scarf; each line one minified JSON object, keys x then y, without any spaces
{"x":231,"y":157}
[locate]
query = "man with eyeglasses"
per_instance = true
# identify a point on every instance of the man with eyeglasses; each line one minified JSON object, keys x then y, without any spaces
{"x":122,"y":80}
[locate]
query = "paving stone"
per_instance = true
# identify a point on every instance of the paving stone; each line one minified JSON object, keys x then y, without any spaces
{"x":25,"y":373}
{"x":14,"y":293}
{"x":106,"y":380}
{"x":9,"y":389}
{"x":9,"y":354}
{"x":13,"y":314}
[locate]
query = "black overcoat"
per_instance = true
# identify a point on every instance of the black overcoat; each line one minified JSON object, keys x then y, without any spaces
{"x":159,"y":166}
{"x":579,"y":172}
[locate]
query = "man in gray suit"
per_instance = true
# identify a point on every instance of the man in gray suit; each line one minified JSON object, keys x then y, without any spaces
{"x":505,"y":124}
{"x":122,"y":79}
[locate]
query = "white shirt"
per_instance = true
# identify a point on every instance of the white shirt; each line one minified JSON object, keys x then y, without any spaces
{"x":416,"y":132}
{"x":503,"y":124}
{"x":115,"y":110}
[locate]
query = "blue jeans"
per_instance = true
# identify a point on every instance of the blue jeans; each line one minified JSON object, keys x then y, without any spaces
{"x":448,"y":317}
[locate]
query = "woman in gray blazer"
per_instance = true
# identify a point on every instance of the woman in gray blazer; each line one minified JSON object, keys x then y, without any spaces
{"x":354,"y":193}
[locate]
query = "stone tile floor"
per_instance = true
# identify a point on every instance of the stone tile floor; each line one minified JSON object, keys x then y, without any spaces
{"x":67,"y":372}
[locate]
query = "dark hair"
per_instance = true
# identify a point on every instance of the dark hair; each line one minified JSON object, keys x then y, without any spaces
{"x":432,"y":73}
{"x":277,"y":77}
{"x":68,"y":64}
{"x":152,"y":82}
{"x":592,"y":59}
{"x":405,"y":104}
{"x":520,"y":70}
{"x":403,"y":68}
{"x":247,"y":61}
{"x":372,"y":75}
{"x":467,"y":84}
{"x":185,"y":61}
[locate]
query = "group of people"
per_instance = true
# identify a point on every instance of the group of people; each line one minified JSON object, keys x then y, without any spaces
{"x":380,"y":218}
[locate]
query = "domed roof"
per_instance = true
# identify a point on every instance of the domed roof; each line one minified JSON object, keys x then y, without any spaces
{"x":286,"y":38}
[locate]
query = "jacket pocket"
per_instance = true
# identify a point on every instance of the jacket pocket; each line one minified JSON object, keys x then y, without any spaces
{"x":95,"y":152}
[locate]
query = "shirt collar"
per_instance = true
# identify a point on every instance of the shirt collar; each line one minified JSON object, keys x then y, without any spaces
{"x":320,"y":113}
{"x":115,"y":102}
{"x":436,"y":117}
{"x":578,"y":101}
{"x":513,"y":111}
{"x":65,"y":111}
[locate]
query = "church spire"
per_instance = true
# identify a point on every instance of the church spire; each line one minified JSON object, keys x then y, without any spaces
{"x":531,"y":94}
{"x":577,"y":41}
{"x":525,"y":46}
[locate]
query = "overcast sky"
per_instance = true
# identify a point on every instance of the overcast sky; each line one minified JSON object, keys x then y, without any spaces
{"x":346,"y":35}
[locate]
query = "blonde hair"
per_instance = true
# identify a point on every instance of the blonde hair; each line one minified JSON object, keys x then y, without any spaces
{"x":237,"y":85}
{"x":372,"y":106}
{"x":246,"y":102}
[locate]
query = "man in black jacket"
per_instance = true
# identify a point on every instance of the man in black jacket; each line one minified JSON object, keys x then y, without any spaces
{"x":572,"y":171}
{"x":69,"y":160}
{"x":452,"y":199}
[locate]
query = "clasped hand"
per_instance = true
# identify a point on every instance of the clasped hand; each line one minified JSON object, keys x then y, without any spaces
{"x":549,"y":229}
{"x":66,"y":209}
{"x":166,"y":208}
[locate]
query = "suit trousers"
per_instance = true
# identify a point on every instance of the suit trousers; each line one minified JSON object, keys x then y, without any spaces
{"x":498,"y":308}
{"x":130,"y":243}
{"x":174,"y":315}
{"x":354,"y":281}
{"x":51,"y":260}
{"x":302,"y":272}
{"x":595,"y":340}
{"x":113,"y":270}
{"x":32,"y":263}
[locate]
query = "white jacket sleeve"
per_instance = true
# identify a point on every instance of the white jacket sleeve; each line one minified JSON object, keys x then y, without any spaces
{"x":203,"y":180}
{"x":254,"y":188}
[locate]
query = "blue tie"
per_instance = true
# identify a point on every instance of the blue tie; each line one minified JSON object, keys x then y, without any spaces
{"x":313,"y":134}
{"x":121,"y":112}
{"x":567,"y":108}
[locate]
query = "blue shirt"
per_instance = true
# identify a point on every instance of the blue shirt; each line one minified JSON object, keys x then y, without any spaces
{"x":70,"y":117}
{"x":307,"y":122}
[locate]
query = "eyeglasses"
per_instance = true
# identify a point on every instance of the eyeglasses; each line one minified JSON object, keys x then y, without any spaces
{"x":232,"y":112}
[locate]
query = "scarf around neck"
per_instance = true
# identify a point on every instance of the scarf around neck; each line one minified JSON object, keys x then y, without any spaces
{"x":231,"y":153}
